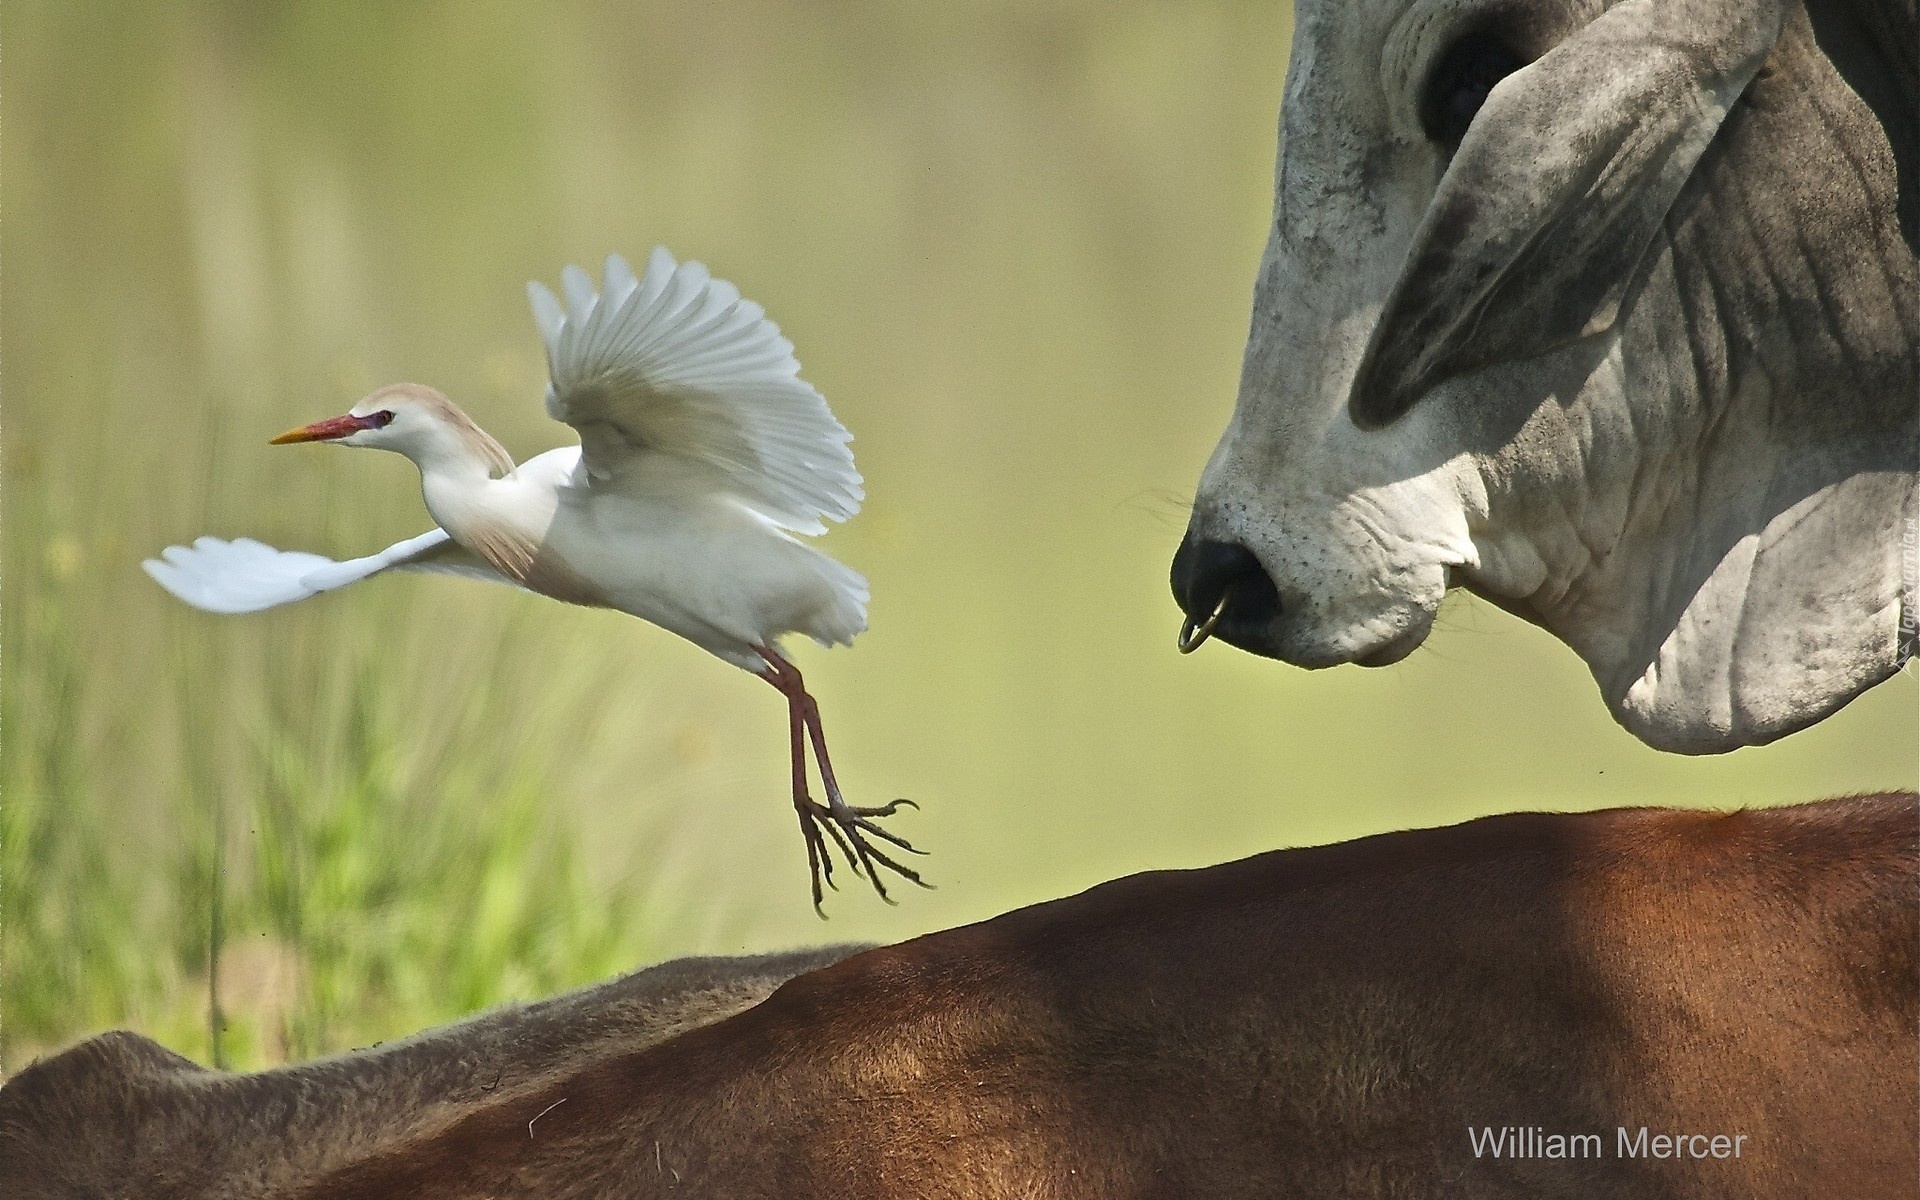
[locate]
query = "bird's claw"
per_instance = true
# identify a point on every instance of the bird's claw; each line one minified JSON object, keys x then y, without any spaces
{"x":849,"y":828}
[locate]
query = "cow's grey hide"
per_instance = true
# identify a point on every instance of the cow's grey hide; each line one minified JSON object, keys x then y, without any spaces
{"x":120,"y":1115}
{"x":1639,"y":359}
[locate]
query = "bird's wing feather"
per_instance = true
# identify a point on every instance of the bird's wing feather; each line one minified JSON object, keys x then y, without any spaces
{"x":246,"y":576}
{"x":676,"y":363}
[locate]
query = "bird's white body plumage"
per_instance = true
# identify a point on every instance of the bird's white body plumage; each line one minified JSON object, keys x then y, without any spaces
{"x":701,"y":453}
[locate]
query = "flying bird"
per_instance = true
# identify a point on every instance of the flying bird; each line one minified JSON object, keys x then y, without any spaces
{"x":702,"y":454}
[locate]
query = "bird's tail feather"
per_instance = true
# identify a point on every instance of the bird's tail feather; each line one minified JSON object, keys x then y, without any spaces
{"x":846,"y":617}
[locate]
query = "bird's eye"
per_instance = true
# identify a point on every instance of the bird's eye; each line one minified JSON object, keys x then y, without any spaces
{"x":1459,"y":83}
{"x":381,"y":419}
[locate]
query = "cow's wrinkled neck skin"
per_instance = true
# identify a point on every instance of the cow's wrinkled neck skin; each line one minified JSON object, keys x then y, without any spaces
{"x":1739,"y":586}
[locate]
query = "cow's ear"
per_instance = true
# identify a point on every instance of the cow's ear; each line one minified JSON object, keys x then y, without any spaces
{"x":1558,"y":186}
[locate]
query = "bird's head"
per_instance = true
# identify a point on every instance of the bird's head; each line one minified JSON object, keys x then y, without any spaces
{"x":388,"y":420}
{"x":411,"y":419}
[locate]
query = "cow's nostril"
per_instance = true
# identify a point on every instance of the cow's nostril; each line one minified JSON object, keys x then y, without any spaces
{"x":1220,"y":583}
{"x":1205,"y":571}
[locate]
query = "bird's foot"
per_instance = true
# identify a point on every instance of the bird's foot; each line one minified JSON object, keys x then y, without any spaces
{"x":849,"y":827}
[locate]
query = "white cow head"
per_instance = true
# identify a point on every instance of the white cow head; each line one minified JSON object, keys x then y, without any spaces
{"x":1608,"y":312}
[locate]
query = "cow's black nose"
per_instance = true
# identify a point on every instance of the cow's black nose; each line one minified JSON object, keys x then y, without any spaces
{"x":1222,"y":588}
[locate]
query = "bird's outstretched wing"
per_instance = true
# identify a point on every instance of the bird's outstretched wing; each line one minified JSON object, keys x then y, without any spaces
{"x":246,"y":576}
{"x":677,"y":364}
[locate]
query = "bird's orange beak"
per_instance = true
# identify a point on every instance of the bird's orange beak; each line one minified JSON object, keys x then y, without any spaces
{"x":327,"y":430}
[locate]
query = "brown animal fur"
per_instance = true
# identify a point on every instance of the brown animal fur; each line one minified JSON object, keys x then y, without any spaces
{"x":1310,"y":1023}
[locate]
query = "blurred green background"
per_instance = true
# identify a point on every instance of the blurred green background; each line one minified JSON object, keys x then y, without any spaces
{"x":1014,"y":243}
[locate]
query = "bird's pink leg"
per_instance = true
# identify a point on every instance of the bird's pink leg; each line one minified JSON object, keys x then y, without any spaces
{"x":819,"y":862}
{"x":846,"y":824}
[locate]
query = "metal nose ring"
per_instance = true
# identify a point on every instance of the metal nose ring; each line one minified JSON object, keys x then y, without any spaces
{"x":1194,"y":634}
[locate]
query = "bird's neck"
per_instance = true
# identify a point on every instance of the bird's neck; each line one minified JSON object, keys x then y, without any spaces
{"x":457,"y":453}
{"x":453,"y":485}
{"x":449,"y":476}
{"x":458,"y":461}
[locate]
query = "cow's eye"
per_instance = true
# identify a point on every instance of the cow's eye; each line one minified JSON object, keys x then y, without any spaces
{"x":1459,"y":83}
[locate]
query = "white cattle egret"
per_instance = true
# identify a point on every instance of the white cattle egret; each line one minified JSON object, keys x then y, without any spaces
{"x":702,"y":452}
